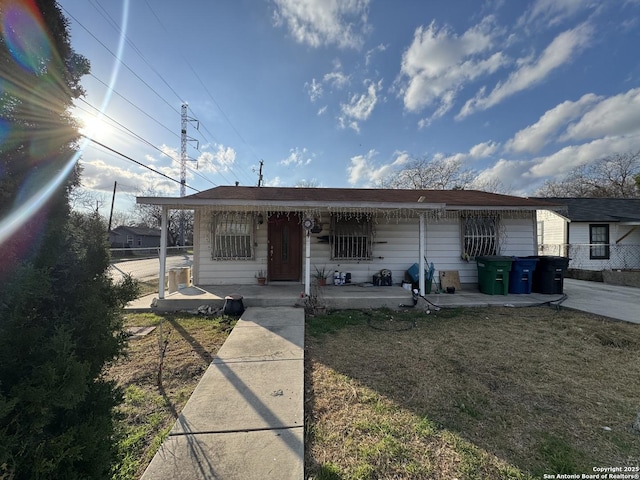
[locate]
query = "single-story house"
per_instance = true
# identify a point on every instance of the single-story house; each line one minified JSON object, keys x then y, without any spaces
{"x":288,"y":233}
{"x":134,"y":237}
{"x":595,"y":233}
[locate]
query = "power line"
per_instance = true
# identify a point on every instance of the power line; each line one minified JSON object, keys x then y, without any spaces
{"x":207,"y":91}
{"x":136,"y":107}
{"x":138,"y":163}
{"x":119,"y":60}
{"x":137,"y":50}
{"x":144,"y":140}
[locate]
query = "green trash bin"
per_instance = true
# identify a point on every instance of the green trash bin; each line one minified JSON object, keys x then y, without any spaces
{"x":493,"y":274}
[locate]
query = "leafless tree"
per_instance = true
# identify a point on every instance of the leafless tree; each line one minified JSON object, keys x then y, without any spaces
{"x":151,"y":216}
{"x":612,"y":176}
{"x":423,"y":173}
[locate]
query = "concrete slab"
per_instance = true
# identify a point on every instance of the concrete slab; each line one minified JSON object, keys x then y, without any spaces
{"x":258,"y":455}
{"x":245,"y":419}
{"x":621,"y":303}
{"x":276,"y":342}
{"x":245,"y":396}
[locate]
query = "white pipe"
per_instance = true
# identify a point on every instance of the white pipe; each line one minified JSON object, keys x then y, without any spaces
{"x":307,"y":265}
{"x":163,"y":249}
{"x":422,"y":255}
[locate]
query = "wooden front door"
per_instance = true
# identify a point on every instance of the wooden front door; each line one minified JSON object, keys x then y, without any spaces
{"x":285,"y":243}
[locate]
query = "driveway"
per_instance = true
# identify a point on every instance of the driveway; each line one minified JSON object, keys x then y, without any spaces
{"x":622,"y":303}
{"x":148,"y":268}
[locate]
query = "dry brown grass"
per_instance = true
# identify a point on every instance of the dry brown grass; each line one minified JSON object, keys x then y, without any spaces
{"x":476,"y":393}
{"x":149,"y":411}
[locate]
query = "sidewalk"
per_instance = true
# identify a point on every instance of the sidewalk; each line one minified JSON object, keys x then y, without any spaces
{"x":245,"y":419}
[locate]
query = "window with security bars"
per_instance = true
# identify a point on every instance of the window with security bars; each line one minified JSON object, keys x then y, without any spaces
{"x":599,"y":240}
{"x":351,"y":239}
{"x":232,"y":237}
{"x":479,"y":236}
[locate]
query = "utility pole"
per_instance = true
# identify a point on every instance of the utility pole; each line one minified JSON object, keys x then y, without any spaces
{"x":184,"y":140}
{"x":113,"y":199}
{"x":260,"y":173}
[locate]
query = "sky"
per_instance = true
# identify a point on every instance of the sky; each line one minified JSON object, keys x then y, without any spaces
{"x":343,"y":93}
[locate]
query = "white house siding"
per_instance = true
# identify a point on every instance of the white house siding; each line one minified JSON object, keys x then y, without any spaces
{"x":625,"y":254}
{"x":396,"y":248}
{"x":228,"y":272}
{"x":554,"y":228}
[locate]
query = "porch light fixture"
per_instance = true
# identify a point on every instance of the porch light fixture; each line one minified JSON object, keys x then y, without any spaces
{"x":260,"y":219}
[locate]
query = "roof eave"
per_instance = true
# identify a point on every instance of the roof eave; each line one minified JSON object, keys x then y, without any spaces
{"x":186,"y":203}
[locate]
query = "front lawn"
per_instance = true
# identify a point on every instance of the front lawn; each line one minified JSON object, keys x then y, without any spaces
{"x":150,"y":408}
{"x":470,"y":393}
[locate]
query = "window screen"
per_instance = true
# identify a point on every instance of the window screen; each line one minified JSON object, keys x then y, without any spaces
{"x":232,"y":237}
{"x":351,"y":239}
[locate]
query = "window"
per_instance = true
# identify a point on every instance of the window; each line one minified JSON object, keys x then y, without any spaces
{"x":479,"y":236}
{"x":232,"y":237}
{"x":540,"y":230}
{"x":130,"y":239}
{"x":351,"y":239}
{"x":599,"y":240}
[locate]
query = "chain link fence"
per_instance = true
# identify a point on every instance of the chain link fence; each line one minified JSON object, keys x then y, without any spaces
{"x":620,"y":257}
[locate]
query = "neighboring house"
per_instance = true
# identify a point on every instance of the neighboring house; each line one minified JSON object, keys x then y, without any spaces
{"x":596,"y":233}
{"x":134,"y":237}
{"x":239,"y":231}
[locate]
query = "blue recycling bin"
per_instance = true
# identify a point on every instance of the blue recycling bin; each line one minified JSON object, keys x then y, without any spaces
{"x":413,"y":271}
{"x":521,"y":275}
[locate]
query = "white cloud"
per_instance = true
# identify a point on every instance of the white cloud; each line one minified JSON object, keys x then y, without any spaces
{"x":511,"y":173}
{"x":99,"y":175}
{"x":483,"y":150}
{"x":324,"y":22}
{"x":297,"y":158}
{"x":220,"y":160}
{"x":530,"y":73}
{"x":534,"y":137}
{"x":360,"y":107}
{"x":438,"y":63}
{"x":572,"y":156}
{"x":370,"y":53}
{"x":336,"y":79}
{"x":322,"y":110}
{"x":364,"y":171}
{"x":553,"y":12}
{"x":617,"y":115}
{"x":314,"y":89}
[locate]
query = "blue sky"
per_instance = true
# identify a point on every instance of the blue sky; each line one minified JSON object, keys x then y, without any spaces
{"x":342,"y":92}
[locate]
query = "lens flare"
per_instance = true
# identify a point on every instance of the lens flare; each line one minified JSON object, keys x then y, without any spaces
{"x":33,"y":52}
{"x":25,"y":36}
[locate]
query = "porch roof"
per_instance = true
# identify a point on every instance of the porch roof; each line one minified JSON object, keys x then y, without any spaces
{"x":302,"y":198}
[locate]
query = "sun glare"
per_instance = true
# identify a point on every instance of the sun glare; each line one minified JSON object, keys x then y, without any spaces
{"x":96,"y":127}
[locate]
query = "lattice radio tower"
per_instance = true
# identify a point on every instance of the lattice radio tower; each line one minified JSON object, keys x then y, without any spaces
{"x":184,"y":141}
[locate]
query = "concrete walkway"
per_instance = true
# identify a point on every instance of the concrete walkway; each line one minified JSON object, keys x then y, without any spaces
{"x":621,"y":303}
{"x":245,"y":419}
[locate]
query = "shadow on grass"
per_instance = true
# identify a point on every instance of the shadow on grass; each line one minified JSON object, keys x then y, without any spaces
{"x":532,"y":387}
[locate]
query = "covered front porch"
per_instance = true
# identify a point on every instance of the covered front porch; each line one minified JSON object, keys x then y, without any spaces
{"x":356,"y":296}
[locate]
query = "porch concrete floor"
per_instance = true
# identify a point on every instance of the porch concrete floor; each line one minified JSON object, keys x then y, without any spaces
{"x":356,"y":296}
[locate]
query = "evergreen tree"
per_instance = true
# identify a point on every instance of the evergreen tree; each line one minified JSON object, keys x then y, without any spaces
{"x":60,"y":313}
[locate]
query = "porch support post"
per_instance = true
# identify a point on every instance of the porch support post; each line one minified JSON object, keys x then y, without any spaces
{"x":307,"y":264}
{"x":163,"y":249}
{"x":422,"y":255}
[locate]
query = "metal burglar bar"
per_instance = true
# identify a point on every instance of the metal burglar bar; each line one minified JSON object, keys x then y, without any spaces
{"x":480,"y":236}
{"x":232,"y":236}
{"x":351,"y":239}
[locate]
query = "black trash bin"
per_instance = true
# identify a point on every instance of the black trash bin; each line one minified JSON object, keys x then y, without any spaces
{"x":548,"y":277}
